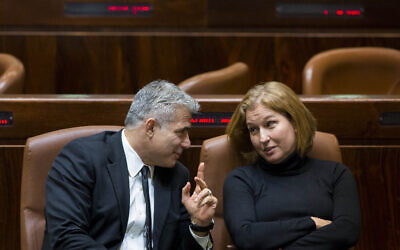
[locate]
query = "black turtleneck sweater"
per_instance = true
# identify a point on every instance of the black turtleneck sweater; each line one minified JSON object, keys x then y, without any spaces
{"x":268,"y":206}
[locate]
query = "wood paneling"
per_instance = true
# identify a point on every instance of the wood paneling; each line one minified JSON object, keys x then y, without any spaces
{"x":353,"y":120}
{"x":122,"y":62}
{"x":376,"y":170}
{"x":10,"y":188}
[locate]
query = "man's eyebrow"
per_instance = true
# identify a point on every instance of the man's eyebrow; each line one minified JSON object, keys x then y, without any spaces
{"x":183,"y":129}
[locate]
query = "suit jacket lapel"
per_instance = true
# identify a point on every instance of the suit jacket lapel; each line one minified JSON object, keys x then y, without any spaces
{"x":162,"y":198}
{"x":118,"y":171}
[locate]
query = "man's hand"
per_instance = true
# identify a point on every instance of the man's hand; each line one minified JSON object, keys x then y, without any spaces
{"x":201,"y":204}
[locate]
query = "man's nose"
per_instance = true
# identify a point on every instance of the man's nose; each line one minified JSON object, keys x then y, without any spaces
{"x":186,"y":142}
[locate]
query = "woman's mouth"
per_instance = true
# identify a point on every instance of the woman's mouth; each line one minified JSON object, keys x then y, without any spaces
{"x":269,"y":149}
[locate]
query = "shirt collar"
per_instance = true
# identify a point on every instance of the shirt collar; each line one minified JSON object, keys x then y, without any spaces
{"x":133,"y":160}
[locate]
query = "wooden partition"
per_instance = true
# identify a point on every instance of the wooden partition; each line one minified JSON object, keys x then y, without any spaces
{"x":120,"y":62}
{"x":118,"y":51}
{"x":368,"y":129}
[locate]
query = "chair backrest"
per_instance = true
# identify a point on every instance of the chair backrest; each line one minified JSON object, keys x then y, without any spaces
{"x":39,"y":154}
{"x":230,"y":80}
{"x":220,"y":159}
{"x":12,"y":74}
{"x":362,"y":70}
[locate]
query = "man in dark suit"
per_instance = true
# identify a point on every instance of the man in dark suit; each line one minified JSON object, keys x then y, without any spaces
{"x":126,"y":190}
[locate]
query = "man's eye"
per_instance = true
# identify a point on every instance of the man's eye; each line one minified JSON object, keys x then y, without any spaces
{"x":182,"y":131}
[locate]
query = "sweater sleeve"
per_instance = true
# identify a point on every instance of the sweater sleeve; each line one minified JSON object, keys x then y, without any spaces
{"x":344,"y":230}
{"x":245,"y":230}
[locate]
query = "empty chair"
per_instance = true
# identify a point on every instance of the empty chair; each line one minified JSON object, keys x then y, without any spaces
{"x":220,"y":159}
{"x":230,"y":80}
{"x":12,"y":74}
{"x":363,"y":70}
{"x":39,"y":154}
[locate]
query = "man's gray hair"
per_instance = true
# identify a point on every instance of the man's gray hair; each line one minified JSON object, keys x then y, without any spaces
{"x":158,"y":99}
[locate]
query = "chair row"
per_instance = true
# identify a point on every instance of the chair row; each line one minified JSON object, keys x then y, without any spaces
{"x":363,"y":70}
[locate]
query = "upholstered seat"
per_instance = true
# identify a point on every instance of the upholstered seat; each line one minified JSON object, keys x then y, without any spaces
{"x":12,"y":74}
{"x":219,"y":159}
{"x":363,"y":70}
{"x":230,"y":80}
{"x":39,"y":154}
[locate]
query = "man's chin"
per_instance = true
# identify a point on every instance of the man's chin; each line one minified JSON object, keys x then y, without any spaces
{"x":168,"y":164}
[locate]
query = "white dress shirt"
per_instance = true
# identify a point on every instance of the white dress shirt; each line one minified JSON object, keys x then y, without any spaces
{"x":134,"y":236}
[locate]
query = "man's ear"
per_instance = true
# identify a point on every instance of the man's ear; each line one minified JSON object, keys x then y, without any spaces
{"x":149,"y":127}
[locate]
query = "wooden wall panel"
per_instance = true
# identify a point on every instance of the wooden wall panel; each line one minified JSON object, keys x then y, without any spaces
{"x":122,"y":62}
{"x":376,"y":170}
{"x":10,"y":186}
{"x":353,"y":120}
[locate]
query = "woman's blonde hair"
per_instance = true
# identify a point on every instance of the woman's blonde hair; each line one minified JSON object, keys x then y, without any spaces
{"x":281,"y":99}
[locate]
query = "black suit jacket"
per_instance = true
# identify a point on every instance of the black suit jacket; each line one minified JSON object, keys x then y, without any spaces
{"x":87,"y":198}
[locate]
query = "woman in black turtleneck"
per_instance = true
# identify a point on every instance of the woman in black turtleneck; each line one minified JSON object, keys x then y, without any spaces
{"x":283,"y":199}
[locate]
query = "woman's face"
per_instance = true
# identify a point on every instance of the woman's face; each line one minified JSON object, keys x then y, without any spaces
{"x":271,"y":134}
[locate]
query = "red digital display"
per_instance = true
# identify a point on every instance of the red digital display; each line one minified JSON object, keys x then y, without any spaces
{"x":353,"y":12}
{"x":304,"y":10}
{"x":344,"y":12}
{"x":133,"y":9}
{"x":107,"y":9}
{"x":6,"y":118}
{"x":211,"y":119}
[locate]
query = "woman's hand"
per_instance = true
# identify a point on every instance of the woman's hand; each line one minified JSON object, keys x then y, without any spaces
{"x":320,"y":222}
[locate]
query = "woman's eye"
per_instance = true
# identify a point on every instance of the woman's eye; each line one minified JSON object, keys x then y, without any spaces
{"x":271,"y":123}
{"x":251,"y":130}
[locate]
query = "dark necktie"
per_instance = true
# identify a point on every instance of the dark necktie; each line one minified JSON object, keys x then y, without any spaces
{"x":147,"y":226}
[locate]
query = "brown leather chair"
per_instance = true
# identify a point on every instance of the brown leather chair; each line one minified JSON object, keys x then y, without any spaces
{"x":12,"y":74}
{"x":363,"y":70}
{"x":39,"y":154}
{"x":230,"y":80}
{"x":220,"y":159}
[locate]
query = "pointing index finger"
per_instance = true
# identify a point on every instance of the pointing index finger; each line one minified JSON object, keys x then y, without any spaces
{"x":200,"y":171}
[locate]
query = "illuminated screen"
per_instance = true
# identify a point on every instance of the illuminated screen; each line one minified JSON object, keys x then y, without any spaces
{"x":304,"y":10}
{"x":211,"y":119}
{"x":6,"y":119}
{"x":389,"y":118}
{"x":108,"y":9}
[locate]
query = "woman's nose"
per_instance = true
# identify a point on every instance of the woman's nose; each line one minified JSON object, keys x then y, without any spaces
{"x":264,"y":136}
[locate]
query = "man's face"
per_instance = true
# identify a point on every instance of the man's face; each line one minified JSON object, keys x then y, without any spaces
{"x":169,"y":142}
